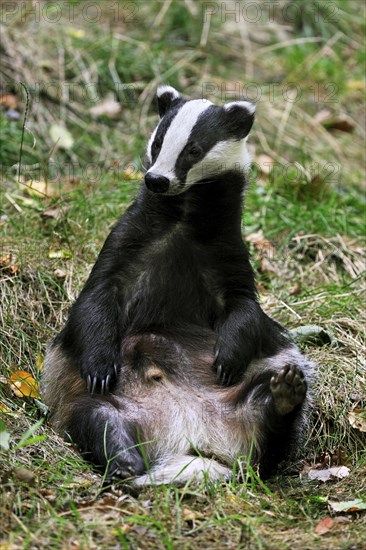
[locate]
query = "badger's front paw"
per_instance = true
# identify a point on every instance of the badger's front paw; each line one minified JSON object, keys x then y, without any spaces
{"x":229,"y":366}
{"x":288,"y":389}
{"x":100,"y":372}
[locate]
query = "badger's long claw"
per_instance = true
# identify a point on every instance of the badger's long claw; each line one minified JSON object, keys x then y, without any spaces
{"x":107,"y":380}
{"x":88,"y":383}
{"x":219,"y":372}
{"x":102,"y":387}
{"x":94,"y":385}
{"x":115,"y":370}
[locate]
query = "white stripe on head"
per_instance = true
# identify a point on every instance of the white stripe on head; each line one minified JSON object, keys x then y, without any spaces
{"x":176,"y":137}
{"x":149,"y":145}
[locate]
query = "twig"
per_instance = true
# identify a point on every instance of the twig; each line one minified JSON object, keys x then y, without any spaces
{"x":23,"y":128}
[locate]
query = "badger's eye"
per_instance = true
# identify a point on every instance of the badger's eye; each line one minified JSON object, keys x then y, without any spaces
{"x":194,"y":151}
{"x":154,"y":374}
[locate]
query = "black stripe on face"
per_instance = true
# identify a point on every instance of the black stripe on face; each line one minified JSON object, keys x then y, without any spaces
{"x":213,"y":125}
{"x":163,"y":128}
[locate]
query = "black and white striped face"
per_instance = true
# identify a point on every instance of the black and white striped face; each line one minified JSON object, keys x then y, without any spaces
{"x":195,"y":141}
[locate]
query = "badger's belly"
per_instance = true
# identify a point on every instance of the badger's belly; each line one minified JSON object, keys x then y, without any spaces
{"x":191,"y":422}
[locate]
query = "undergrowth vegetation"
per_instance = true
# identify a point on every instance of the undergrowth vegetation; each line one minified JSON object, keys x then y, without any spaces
{"x":90,"y":76}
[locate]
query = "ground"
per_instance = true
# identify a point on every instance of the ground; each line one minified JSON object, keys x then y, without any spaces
{"x":90,"y":75}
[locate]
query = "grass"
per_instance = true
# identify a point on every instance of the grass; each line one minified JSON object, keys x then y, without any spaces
{"x":310,"y":208}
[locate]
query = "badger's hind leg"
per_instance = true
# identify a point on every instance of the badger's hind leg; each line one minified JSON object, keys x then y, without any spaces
{"x":277,"y":389}
{"x":288,"y":388}
{"x":104,"y":437}
{"x":181,"y":469}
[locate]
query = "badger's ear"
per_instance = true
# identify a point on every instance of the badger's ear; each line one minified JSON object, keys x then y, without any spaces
{"x":240,"y":117}
{"x":165,"y":96}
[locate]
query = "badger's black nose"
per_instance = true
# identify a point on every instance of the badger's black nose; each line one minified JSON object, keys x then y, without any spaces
{"x":156,"y":183}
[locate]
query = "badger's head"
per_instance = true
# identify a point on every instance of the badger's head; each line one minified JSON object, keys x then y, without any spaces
{"x":196,"y":141}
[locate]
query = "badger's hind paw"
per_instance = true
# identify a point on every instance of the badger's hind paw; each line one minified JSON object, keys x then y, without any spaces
{"x":288,"y":389}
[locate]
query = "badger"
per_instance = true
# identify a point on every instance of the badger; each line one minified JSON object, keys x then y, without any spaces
{"x":167,"y":369}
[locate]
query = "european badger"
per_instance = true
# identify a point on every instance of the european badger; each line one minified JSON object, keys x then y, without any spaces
{"x":181,"y":370}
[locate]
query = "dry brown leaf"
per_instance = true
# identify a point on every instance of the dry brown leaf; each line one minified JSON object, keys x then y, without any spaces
{"x":24,"y":475}
{"x":331,"y":121}
{"x":324,"y":526}
{"x":9,"y":100}
{"x":55,"y":213}
{"x":8,"y":262}
{"x":266,"y":267}
{"x":23,"y":384}
{"x":60,"y":273}
{"x":261,"y":243}
{"x":131,"y":174}
{"x":357,"y":419}
{"x":190,"y":515}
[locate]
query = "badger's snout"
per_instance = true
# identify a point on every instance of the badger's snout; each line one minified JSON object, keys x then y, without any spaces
{"x":156,"y":182}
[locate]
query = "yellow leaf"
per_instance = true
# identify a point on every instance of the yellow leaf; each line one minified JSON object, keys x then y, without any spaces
{"x":39,"y":362}
{"x":76,"y":33}
{"x":357,"y":85}
{"x":23,"y":384}
{"x":59,"y":254}
{"x":40,"y":188}
{"x":131,"y":174}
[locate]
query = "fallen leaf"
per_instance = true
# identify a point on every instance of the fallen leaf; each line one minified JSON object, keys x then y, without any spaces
{"x":330,"y":121}
{"x":109,"y":107}
{"x":39,"y":362}
{"x":40,"y":188}
{"x":329,"y":474}
{"x":266,"y":267}
{"x":23,"y":384}
{"x":55,"y":213}
{"x":295,"y":290}
{"x":61,"y":136}
{"x":60,"y":273}
{"x":357,"y":419}
{"x":261,"y":243}
{"x":9,"y":101}
{"x":76,"y":33}
{"x":131,"y":174}
{"x":348,"y":506}
{"x":323,"y":526}
{"x":8,"y":262}
{"x":63,"y":253}
{"x":190,"y":515}
{"x":357,"y":85}
{"x":24,"y":475}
